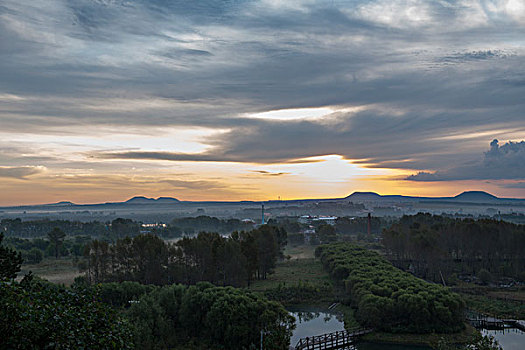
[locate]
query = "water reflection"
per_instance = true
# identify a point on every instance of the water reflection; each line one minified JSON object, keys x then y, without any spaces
{"x":307,"y":316}
{"x":310,"y":323}
{"x":509,"y":339}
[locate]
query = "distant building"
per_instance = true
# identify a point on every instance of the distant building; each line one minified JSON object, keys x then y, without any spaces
{"x":330,"y":220}
{"x":307,"y":220}
{"x":155,"y":225}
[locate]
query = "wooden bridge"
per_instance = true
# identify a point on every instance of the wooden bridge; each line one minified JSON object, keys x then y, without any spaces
{"x":331,"y":340}
{"x":494,"y":323}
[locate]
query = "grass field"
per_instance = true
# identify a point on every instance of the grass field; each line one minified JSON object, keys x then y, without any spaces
{"x":431,"y":339}
{"x":62,"y":271}
{"x":292,"y":272}
{"x":302,"y":267}
{"x":300,"y":252}
{"x":502,"y":303}
{"x":496,"y":307}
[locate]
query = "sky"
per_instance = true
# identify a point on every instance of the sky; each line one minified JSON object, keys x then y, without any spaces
{"x":102,"y":100}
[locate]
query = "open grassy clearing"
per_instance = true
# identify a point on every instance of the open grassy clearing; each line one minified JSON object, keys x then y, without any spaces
{"x":517,"y":295}
{"x":496,"y":307}
{"x":488,"y":300}
{"x":302,"y":267}
{"x":431,"y":339}
{"x":61,"y":271}
{"x":300,"y":252}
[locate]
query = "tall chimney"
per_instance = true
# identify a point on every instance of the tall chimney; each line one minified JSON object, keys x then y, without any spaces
{"x":262,"y":214}
{"x":369,"y":224}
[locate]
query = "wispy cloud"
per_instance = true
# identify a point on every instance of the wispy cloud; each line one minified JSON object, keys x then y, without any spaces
{"x":20,"y":172}
{"x":269,"y":173}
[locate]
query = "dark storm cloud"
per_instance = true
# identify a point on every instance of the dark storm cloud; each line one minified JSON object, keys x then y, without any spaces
{"x":499,"y":163}
{"x":423,"y":72}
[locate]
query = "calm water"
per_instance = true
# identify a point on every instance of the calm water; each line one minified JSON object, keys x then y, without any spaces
{"x":309,"y":323}
{"x":314,"y":322}
{"x":509,"y":339}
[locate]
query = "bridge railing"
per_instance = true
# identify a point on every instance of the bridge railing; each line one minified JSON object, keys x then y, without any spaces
{"x":328,"y":340}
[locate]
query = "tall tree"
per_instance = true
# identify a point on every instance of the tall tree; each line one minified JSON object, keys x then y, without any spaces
{"x":326,"y":233}
{"x":56,"y":237}
{"x":10,"y":261}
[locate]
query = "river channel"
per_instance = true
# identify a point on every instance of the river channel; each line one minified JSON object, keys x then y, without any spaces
{"x":310,"y":322}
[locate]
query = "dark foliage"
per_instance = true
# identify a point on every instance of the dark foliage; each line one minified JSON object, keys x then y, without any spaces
{"x":191,"y":225}
{"x":356,"y":225}
{"x":431,"y":244}
{"x":40,"y":315}
{"x":10,"y":261}
{"x":215,"y":317}
{"x":208,"y":257}
{"x":40,"y":228}
{"x":387,"y":298}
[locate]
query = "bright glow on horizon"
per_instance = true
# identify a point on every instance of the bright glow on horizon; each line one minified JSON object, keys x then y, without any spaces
{"x":293,"y":113}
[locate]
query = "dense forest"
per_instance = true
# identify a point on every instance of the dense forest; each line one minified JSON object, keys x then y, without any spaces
{"x":40,"y":228}
{"x":40,"y":315}
{"x":387,"y":298}
{"x":234,"y":260}
{"x":216,"y":317}
{"x":34,"y":250}
{"x":203,"y":223}
{"x":356,"y":225}
{"x":120,"y":228}
{"x":432,"y":245}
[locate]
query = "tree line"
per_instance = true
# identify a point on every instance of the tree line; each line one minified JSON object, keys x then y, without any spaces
{"x":234,"y":260}
{"x":387,"y":298}
{"x":356,"y":225}
{"x":57,"y":245}
{"x":120,"y":228}
{"x":432,"y":245}
{"x":40,"y":228}
{"x":204,"y":223}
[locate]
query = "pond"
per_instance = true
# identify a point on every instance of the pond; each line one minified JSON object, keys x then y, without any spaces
{"x":311,"y":322}
{"x":509,"y":339}
{"x":315,"y":321}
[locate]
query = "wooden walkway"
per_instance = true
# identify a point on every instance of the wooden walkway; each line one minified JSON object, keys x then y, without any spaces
{"x":494,"y":323}
{"x":330,"y":340}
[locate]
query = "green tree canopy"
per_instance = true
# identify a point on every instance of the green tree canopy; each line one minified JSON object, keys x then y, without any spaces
{"x":10,"y":261}
{"x":40,"y":315}
{"x":56,"y":237}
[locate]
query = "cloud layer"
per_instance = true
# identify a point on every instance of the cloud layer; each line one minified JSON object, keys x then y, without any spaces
{"x":412,"y":85}
{"x":499,"y":163}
